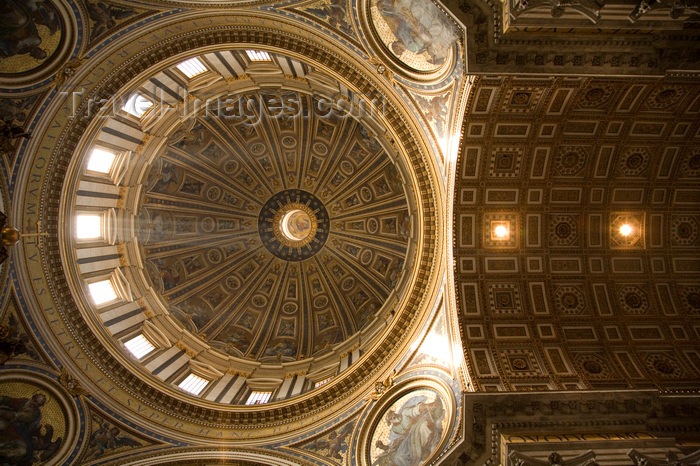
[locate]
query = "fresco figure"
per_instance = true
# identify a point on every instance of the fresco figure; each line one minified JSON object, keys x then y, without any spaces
{"x":108,"y":438}
{"x":436,"y":111}
{"x":419,"y":27}
{"x":19,"y":33}
{"x":333,"y":12}
{"x":282,"y":348}
{"x":416,"y":430}
{"x":335,"y":443}
{"x":23,"y":439}
{"x":237,"y":339}
{"x":286,"y":329}
{"x":167,"y":179}
{"x":105,"y":16}
{"x":14,"y":341}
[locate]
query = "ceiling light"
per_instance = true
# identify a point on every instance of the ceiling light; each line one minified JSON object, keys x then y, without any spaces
{"x":500,"y":231}
{"x":626,"y":230}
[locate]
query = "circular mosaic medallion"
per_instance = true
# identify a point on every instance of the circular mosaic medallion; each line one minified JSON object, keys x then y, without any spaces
{"x":293,"y":225}
{"x":208,"y":224}
{"x":233,"y":283}
{"x":40,"y":420}
{"x":32,"y":36}
{"x":372,"y":225}
{"x":569,"y":300}
{"x":214,"y":256}
{"x":416,"y":33}
{"x":257,"y":149}
{"x":411,"y":428}
{"x":213,"y":193}
{"x":684,"y":230}
{"x":320,"y":149}
{"x":665,"y":96}
{"x":569,"y":160}
{"x":693,"y":300}
{"x":694,"y":162}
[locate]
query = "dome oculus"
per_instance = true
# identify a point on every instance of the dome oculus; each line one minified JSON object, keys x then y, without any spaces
{"x":293,"y":225}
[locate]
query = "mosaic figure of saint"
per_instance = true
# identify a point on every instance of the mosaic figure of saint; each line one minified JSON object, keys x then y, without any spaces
{"x":23,"y":437}
{"x":19,"y":33}
{"x":419,"y":27}
{"x":416,"y":430}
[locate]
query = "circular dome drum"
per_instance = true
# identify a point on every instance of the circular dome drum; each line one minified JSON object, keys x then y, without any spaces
{"x":254,"y":233}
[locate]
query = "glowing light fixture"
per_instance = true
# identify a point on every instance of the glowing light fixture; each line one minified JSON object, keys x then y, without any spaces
{"x":258,"y":55}
{"x":500,"y":231}
{"x":192,"y":67}
{"x":193,"y":384}
{"x":101,"y":160}
{"x":102,"y":292}
{"x":258,"y":398}
{"x":626,"y":229}
{"x":88,"y":226}
{"x":139,"y":346}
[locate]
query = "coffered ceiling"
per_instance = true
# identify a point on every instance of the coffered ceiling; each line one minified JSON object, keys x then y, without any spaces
{"x":566,"y":301}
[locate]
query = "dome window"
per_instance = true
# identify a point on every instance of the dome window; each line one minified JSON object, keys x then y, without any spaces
{"x":137,"y":105}
{"x":108,"y":290}
{"x":139,"y":346}
{"x":258,"y":398}
{"x":192,"y":67}
{"x":89,"y":226}
{"x":101,"y":160}
{"x":322,"y":382}
{"x":193,"y":384}
{"x":110,"y":163}
{"x":258,"y":55}
{"x":102,"y":292}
